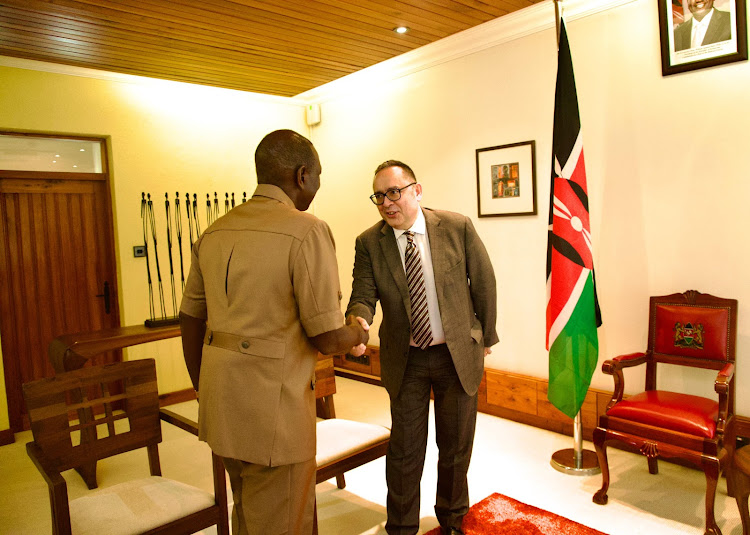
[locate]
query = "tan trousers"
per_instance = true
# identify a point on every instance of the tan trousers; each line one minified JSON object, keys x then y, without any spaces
{"x":272,"y":500}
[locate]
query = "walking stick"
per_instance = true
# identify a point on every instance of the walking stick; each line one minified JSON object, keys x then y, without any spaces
{"x":190,"y":219}
{"x":169,"y":248}
{"x":145,"y":250}
{"x":156,"y":257}
{"x":195,"y":217}
{"x":178,"y":229}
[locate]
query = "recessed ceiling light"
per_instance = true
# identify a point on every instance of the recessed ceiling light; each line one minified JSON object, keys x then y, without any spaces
{"x":82,"y":150}
{"x":401,"y":29}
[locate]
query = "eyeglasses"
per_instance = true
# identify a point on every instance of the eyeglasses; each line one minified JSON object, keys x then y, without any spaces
{"x":393,"y":194}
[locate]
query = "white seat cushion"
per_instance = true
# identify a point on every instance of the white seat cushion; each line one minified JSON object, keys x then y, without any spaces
{"x":135,"y":506}
{"x":338,"y":438}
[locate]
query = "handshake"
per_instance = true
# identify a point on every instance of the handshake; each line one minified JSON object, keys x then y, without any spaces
{"x":361,"y":327}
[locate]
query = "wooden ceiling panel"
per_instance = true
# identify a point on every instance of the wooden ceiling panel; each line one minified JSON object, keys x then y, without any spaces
{"x":277,"y":47}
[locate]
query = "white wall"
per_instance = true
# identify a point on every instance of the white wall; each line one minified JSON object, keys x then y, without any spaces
{"x":666,"y":165}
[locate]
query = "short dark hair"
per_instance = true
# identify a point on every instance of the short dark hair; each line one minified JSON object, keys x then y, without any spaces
{"x":280,"y":154}
{"x":396,"y":163}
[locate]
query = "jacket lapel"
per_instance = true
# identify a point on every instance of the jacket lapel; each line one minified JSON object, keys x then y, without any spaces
{"x":393,"y":259}
{"x":436,"y":235}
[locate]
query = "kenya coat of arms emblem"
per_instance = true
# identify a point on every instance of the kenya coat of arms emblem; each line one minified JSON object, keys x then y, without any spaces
{"x":689,"y":335}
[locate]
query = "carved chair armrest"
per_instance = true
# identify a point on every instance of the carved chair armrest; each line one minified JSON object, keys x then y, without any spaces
{"x":721,"y":385}
{"x":724,"y":379}
{"x":58,"y":488}
{"x":179,"y":421}
{"x":625,"y":361}
{"x":614,"y":368}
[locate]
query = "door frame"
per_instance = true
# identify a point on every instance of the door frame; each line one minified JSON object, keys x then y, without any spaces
{"x":16,"y":421}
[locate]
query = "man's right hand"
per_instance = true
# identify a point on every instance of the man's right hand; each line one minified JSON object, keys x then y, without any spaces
{"x":354,"y":333}
{"x":359,"y":350}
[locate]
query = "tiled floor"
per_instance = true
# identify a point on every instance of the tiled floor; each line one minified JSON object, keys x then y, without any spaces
{"x":509,"y":458}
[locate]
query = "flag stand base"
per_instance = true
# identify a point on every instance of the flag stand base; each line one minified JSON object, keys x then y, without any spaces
{"x":565,"y":461}
{"x":576,"y":461}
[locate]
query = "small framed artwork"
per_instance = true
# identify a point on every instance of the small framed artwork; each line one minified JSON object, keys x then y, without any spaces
{"x":506,"y":180}
{"x":701,"y":33}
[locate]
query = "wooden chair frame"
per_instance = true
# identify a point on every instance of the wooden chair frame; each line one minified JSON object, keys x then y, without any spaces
{"x":325,"y":388}
{"x":134,"y":399}
{"x":710,"y":454}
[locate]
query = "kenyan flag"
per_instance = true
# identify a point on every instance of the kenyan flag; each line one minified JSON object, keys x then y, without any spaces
{"x":572,"y":307}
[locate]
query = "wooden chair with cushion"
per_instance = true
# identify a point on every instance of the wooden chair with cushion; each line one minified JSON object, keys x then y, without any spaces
{"x":688,"y":329}
{"x":341,"y":444}
{"x":116,"y":408}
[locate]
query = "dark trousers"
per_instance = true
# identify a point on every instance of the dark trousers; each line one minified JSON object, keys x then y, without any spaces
{"x":455,"y":421}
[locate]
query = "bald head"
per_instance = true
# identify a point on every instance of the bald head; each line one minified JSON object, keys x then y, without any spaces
{"x":288,"y":160}
{"x":280,"y":153}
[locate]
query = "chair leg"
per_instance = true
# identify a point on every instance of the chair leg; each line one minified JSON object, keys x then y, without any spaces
{"x":711,"y":470}
{"x":340,"y":483}
{"x":742,"y":491}
{"x":601,"y":453}
{"x":653,"y":465}
{"x":315,"y":517}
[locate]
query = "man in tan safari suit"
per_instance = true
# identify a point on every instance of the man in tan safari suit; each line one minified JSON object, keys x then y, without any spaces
{"x":261,"y":299}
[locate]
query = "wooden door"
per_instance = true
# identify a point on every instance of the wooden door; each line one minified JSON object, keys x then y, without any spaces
{"x":56,"y":256}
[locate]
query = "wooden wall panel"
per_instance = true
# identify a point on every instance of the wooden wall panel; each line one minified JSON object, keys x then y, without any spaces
{"x":513,"y":392}
{"x":523,"y":399}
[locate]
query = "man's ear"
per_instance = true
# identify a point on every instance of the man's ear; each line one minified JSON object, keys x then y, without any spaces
{"x":301,"y":176}
{"x":418,"y":191}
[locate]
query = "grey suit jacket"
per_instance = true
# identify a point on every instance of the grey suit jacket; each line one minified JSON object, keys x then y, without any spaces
{"x":466,"y":291}
{"x":719,"y":29}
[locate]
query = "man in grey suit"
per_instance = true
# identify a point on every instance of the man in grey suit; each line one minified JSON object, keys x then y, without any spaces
{"x":436,"y":286}
{"x":705,"y":27}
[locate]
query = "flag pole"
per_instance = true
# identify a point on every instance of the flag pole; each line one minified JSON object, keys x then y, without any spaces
{"x":576,"y":461}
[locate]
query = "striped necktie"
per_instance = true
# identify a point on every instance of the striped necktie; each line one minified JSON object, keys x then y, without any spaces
{"x":420,"y":317}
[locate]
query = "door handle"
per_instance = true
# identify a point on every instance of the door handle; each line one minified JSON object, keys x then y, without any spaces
{"x":105,"y":295}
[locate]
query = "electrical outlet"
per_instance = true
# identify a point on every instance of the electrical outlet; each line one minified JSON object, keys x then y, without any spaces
{"x":139,"y":251}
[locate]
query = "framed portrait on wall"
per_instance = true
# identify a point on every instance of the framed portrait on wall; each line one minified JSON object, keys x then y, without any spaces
{"x":506,"y":180}
{"x":701,"y":33}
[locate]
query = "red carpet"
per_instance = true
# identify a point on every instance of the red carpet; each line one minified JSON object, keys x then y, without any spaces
{"x":500,"y":515}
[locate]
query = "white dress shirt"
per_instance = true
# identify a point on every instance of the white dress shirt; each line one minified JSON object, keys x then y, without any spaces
{"x":698,"y":30}
{"x":422,"y":242}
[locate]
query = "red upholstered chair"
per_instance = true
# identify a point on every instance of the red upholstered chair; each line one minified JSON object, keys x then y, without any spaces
{"x":688,"y":329}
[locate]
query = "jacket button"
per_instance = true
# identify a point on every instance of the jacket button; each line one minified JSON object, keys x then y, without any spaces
{"x":245,"y":344}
